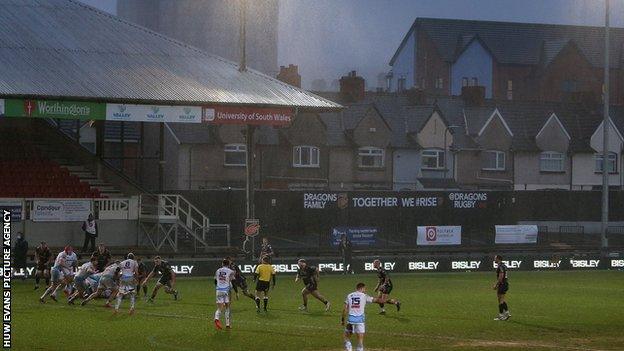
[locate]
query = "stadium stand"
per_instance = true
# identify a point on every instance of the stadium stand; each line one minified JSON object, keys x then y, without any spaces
{"x":27,"y":171}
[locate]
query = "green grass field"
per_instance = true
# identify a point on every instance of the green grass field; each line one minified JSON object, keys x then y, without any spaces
{"x":454,"y":311}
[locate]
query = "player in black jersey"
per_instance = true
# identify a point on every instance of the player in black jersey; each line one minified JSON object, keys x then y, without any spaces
{"x":310,"y":277}
{"x":142,"y":274}
{"x":43,"y":257}
{"x":167,"y":278}
{"x":384,"y":287}
{"x":501,"y":287}
{"x":239,"y":280}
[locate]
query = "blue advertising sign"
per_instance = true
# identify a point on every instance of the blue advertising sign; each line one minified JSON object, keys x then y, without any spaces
{"x":361,"y":236}
{"x":15,"y":206}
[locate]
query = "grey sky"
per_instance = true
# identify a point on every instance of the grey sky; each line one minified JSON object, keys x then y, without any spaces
{"x":327,"y":38}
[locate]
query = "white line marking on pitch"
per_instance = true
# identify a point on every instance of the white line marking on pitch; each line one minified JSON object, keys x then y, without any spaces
{"x":152,"y":339}
{"x":406,"y":335}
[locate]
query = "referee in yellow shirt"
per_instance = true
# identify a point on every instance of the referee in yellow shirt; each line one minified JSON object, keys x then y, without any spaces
{"x":263,"y":275}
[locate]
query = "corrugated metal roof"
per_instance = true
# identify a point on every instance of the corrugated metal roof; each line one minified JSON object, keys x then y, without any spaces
{"x":63,"y":48}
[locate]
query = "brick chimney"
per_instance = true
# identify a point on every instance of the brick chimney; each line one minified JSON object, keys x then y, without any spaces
{"x":290,"y":75}
{"x":352,"y":87}
{"x":473,"y":95}
{"x":416,"y":96}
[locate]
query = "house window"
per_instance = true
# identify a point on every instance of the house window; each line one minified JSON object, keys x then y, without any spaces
{"x":432,"y":159}
{"x":439,"y":83}
{"x":401,"y":84}
{"x":465,"y":82}
{"x":551,"y":161}
{"x":510,"y":90}
{"x":569,"y":86}
{"x":306,"y":156}
{"x":371,"y":157}
{"x":493,"y":161}
{"x":235,"y":155}
{"x":612,"y":163}
{"x":474,"y":82}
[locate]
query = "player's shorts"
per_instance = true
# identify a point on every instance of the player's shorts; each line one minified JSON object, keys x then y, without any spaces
{"x":43,"y":267}
{"x":107,"y":282}
{"x":502,"y":288}
{"x":262,"y":286}
{"x":385,"y":289}
{"x":356,"y":328}
{"x":165,"y":280}
{"x":312,"y":287}
{"x":223,"y":297}
{"x":57,"y":274}
{"x":127,"y":285}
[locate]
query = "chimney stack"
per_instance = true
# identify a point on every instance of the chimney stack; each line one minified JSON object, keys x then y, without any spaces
{"x":290,"y":75}
{"x":473,"y":95}
{"x":352,"y":87}
{"x":416,"y":96}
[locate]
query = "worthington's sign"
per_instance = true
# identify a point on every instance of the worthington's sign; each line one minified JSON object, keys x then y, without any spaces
{"x":54,"y":109}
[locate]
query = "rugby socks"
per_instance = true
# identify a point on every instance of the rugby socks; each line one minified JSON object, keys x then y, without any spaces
{"x":348,"y":346}
{"x":47,"y":292}
{"x":132,"y":300}
{"x":257,"y":302}
{"x":144,"y":290}
{"x":360,"y":347}
{"x":47,"y":281}
{"x":37,"y":279}
{"x":119,"y":297}
{"x":501,"y":308}
{"x":266,"y":302}
{"x":217,"y":314}
{"x":227,"y":317}
{"x":381,"y":305}
{"x":505,"y":308}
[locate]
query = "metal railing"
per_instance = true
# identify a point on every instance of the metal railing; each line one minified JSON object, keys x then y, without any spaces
{"x":165,"y":213}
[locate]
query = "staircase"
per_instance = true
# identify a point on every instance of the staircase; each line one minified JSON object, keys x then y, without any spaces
{"x":171,"y":222}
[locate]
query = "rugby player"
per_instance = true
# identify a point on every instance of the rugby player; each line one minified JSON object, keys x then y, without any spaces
{"x":43,"y":258}
{"x":353,"y":314}
{"x":84,"y":271}
{"x":167,"y":278}
{"x":223,"y":283}
{"x":266,"y":250}
{"x":142,"y":274}
{"x":263,"y":275}
{"x":108,"y":280}
{"x":384,"y":287}
{"x":239,"y":280}
{"x":128,"y":281}
{"x":62,"y":272}
{"x":310,"y":277}
{"x":501,"y":287}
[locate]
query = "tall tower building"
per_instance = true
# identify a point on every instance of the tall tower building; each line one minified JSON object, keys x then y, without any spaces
{"x":213,"y":26}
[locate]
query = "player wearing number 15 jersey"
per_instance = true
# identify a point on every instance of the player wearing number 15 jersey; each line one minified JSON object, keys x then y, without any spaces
{"x":223,"y":284}
{"x":353,"y":316}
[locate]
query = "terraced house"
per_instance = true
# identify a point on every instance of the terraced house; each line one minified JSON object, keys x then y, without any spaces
{"x":405,"y":141}
{"x":512,"y":61}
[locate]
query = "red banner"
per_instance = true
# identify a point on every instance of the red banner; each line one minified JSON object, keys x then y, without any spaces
{"x":247,"y":115}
